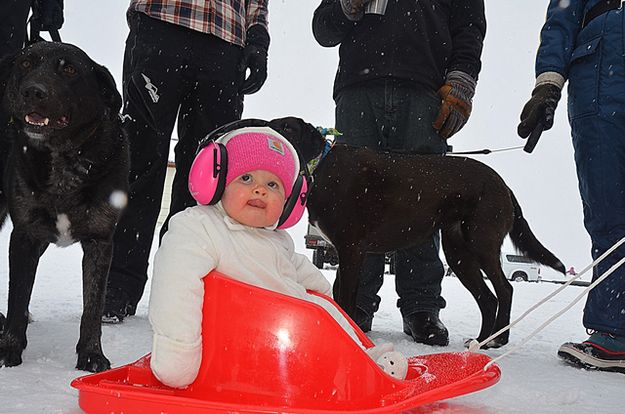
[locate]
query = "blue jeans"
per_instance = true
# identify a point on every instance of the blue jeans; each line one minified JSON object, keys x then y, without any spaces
{"x":597,"y":118}
{"x":392,"y":117}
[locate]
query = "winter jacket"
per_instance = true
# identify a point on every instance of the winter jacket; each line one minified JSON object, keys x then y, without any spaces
{"x":559,"y":36}
{"x":200,"y":239}
{"x":416,"y":41}
{"x":588,"y":57}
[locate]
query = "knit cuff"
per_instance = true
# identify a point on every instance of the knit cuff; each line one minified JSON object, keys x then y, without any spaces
{"x":463,"y":85}
{"x":551,"y":78}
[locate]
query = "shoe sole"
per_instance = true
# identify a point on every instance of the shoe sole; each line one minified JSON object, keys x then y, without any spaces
{"x":583,"y":360}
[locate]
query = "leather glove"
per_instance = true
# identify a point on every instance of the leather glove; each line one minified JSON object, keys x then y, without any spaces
{"x":354,"y":9}
{"x":539,"y":109}
{"x":255,"y":59}
{"x":456,"y":94}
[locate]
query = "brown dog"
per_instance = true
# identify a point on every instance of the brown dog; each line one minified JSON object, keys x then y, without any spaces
{"x":369,"y":201}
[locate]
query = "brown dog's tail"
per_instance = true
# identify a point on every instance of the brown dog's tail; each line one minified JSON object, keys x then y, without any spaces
{"x":527,"y":244}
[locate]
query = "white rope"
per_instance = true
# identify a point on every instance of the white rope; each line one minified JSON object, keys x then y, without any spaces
{"x":557,"y":315}
{"x":474,"y":345}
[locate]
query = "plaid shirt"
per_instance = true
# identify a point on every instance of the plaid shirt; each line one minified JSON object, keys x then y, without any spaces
{"x":226,"y":19}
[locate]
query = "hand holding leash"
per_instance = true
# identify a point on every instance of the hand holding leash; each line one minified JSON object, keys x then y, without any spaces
{"x":538,"y":112}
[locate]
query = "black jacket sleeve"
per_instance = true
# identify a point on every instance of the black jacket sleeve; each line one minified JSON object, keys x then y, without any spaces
{"x":330,"y":25}
{"x":468,"y":28}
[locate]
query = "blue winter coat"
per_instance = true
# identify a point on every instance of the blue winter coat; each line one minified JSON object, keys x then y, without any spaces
{"x":588,"y":58}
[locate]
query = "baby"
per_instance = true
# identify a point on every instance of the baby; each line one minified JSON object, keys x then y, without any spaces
{"x":239,"y":236}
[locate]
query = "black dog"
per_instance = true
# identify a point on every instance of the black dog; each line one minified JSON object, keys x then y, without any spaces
{"x":368,"y":201}
{"x":65,"y":181}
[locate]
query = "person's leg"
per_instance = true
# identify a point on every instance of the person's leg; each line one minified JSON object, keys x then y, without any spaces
{"x":151,"y":90}
{"x":359,"y":118}
{"x":13,"y":17}
{"x":212,"y":99}
{"x":419,"y":270}
{"x":600,"y":160}
{"x":597,"y":117}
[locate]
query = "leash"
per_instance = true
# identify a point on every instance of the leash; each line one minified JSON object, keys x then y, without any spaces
{"x":474,"y":345}
{"x":485,"y":151}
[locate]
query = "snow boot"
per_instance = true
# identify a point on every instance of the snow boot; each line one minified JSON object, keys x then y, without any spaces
{"x":426,"y":328}
{"x":117,"y":306}
{"x":601,"y":351}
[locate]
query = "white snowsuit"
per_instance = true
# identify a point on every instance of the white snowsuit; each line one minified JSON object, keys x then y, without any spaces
{"x":203,"y":238}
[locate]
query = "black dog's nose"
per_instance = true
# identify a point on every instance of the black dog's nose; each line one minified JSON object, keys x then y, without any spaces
{"x":35,"y":91}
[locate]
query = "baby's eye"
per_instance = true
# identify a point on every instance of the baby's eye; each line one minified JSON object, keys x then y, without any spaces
{"x":273,"y":185}
{"x":246,"y":178}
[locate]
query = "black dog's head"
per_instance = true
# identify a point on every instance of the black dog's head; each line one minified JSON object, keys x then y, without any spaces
{"x":304,"y":137}
{"x":53,"y":90}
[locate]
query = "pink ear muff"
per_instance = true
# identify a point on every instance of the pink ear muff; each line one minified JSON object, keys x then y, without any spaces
{"x":207,"y":176}
{"x":295,"y":205}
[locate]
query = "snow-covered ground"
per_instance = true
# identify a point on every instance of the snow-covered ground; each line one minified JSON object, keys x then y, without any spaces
{"x":533,"y":379}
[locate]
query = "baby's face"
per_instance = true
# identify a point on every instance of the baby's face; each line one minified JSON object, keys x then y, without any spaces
{"x":255,"y":198}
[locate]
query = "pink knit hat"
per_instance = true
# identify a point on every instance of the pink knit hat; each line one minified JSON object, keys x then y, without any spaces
{"x":252,"y":149}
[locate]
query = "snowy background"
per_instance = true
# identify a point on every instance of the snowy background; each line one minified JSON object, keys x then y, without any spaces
{"x":300,"y":83}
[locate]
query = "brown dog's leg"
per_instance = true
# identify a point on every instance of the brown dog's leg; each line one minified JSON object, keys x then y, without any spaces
{"x":345,"y":287}
{"x":467,"y":268}
{"x":95,"y":266}
{"x":503,"y":290}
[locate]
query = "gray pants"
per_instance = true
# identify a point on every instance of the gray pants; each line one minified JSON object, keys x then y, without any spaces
{"x":393,"y":117}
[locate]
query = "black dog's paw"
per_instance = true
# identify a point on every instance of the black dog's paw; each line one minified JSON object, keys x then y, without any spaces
{"x":10,"y":356}
{"x":92,"y":362}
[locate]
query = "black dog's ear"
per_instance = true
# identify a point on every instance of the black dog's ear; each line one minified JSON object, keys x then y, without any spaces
{"x":108,"y":89}
{"x":304,"y":137}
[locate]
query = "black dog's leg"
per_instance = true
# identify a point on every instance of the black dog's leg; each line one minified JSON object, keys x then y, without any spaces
{"x":466,"y":267}
{"x":95,"y":267}
{"x":503,"y":290}
{"x":24,"y":254}
{"x":345,"y":289}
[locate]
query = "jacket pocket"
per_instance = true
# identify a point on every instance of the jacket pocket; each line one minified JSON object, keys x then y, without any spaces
{"x":584,"y":72}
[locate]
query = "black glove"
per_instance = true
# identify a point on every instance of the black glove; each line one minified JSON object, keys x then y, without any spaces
{"x":539,"y":109}
{"x":255,"y":59}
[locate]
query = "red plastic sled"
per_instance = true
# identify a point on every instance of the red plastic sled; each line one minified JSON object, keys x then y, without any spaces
{"x":264,"y":352}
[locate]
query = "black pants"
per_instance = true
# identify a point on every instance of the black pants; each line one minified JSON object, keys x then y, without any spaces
{"x":170,"y":73}
{"x":13,"y":16}
{"x":393,"y":117}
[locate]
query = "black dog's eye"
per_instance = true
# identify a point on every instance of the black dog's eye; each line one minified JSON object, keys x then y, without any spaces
{"x":26,"y":64}
{"x":69,"y":70}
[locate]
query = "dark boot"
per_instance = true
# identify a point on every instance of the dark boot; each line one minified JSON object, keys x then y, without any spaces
{"x":426,"y":328}
{"x":363,"y":320}
{"x":117,"y":306}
